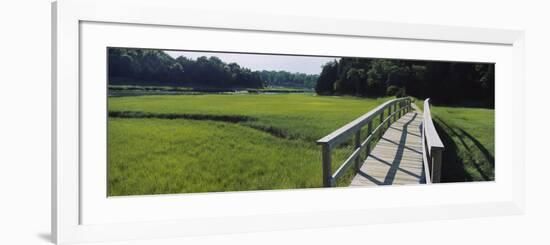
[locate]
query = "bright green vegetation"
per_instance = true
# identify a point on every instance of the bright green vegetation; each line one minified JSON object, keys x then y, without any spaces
{"x":296,"y":116}
{"x":148,"y":156}
{"x":223,"y":142}
{"x":469,"y":138}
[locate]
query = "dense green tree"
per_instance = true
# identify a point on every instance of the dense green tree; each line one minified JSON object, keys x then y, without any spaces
{"x":444,"y":82}
{"x":329,"y":75}
{"x":288,"y":79}
{"x":155,"y":67}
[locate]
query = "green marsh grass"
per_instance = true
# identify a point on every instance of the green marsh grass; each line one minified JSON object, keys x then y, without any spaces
{"x":182,"y":144}
{"x":469,"y":138}
{"x":302,"y":116}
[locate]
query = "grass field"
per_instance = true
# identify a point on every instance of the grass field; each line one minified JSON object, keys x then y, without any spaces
{"x":223,"y":142}
{"x":296,"y":116}
{"x":469,"y":138}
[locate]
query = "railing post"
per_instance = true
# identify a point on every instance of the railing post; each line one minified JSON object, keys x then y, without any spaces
{"x":357,"y":146}
{"x":327,"y":165}
{"x":369,"y":131}
{"x":382,"y":116}
{"x":381,"y":120}
{"x":389,"y":114}
{"x":436,"y":155}
{"x":395,"y":117}
{"x":398,"y":113}
{"x":398,"y":105}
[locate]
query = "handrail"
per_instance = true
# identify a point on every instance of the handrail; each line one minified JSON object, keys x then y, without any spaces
{"x":432,"y":147}
{"x":341,"y":134}
{"x":337,"y":137}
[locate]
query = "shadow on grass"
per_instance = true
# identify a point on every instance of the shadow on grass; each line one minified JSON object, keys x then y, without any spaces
{"x":454,"y":166}
{"x":488,"y":156}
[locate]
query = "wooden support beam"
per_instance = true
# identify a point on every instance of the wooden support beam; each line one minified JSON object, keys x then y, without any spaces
{"x":327,"y":165}
{"x":357,"y":146}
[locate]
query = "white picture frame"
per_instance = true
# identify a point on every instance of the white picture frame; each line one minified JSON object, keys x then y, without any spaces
{"x":505,"y":196}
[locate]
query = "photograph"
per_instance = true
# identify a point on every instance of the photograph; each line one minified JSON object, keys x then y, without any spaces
{"x":163,"y":122}
{"x":198,"y":121}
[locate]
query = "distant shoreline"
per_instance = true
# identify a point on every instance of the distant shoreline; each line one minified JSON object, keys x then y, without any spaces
{"x":136,"y":90}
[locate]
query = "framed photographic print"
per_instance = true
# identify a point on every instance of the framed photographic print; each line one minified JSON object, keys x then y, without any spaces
{"x":171,"y":125}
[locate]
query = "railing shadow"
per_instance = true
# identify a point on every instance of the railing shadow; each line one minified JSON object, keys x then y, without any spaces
{"x":488,"y":156}
{"x":370,"y":178}
{"x":452,"y":169}
{"x":409,"y":132}
{"x":458,"y":160}
{"x":390,"y":176}
{"x":406,"y":147}
{"x":398,"y":168}
{"x":395,"y":164}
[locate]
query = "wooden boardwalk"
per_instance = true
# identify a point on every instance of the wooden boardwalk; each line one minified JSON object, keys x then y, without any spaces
{"x":397,"y":157}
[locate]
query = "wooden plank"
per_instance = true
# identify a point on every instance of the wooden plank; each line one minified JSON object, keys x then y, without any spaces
{"x":354,"y":127}
{"x":397,"y":157}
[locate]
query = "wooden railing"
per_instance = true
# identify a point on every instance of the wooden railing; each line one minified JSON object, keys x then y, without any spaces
{"x":396,"y":108}
{"x":432,"y":147}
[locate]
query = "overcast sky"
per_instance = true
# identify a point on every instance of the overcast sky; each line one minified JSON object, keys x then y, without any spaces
{"x":258,"y":62}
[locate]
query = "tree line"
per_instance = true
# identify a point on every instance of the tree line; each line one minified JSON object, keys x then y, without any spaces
{"x":444,"y":82}
{"x":155,"y":67}
{"x":289,"y":80}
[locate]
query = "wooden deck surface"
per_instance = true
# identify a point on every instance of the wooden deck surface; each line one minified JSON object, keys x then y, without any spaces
{"x":397,"y":157}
